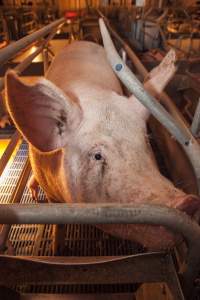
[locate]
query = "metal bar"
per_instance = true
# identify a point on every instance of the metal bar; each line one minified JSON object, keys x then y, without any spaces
{"x":179,"y":131}
{"x":164,"y":98}
{"x":27,"y":61}
{"x":173,"y":281}
{"x":171,"y":218}
{"x":195,"y":127}
{"x":23,"y":65}
{"x":52,"y":213}
{"x":135,"y":87}
{"x":9,"y":150}
{"x":12,"y":49}
{"x":126,"y":47}
{"x":148,"y":267}
{"x":105,"y":296}
{"x":45,"y":56}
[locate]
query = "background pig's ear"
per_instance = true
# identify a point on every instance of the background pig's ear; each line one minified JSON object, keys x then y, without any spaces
{"x":42,"y":112}
{"x":160,"y":76}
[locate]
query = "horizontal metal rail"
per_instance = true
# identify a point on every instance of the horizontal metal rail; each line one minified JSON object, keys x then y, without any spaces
{"x":171,"y":218}
{"x":53,"y":213}
{"x":12,"y":49}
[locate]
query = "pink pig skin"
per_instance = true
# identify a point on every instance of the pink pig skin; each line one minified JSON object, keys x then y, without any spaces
{"x":89,"y":143}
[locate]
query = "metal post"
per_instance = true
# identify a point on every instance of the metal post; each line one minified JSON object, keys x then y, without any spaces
{"x":45,"y":56}
{"x":9,"y":150}
{"x":195,"y":127}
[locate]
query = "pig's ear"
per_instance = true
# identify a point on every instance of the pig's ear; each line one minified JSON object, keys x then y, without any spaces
{"x":42,"y":112}
{"x":160,"y":76}
{"x":156,"y":81}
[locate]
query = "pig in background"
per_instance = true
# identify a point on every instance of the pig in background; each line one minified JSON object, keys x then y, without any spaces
{"x":89,"y":143}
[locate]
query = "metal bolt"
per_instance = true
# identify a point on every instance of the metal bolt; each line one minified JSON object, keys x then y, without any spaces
{"x":118,"y":67}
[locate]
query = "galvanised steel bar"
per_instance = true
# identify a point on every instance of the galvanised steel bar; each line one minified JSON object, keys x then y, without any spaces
{"x":164,"y":98}
{"x":173,"y":219}
{"x":28,"y":60}
{"x":25,"y":63}
{"x":180,"y":132}
{"x":135,"y":87}
{"x":195,"y":127}
{"x":12,"y":49}
{"x":51,"y":213}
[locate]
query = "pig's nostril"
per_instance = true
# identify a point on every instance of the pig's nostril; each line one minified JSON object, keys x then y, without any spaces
{"x":98,"y":156}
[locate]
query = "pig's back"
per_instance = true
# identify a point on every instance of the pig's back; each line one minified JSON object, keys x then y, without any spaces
{"x":82,"y":63}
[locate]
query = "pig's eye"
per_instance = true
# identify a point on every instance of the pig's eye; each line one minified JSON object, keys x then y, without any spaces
{"x":98,"y":156}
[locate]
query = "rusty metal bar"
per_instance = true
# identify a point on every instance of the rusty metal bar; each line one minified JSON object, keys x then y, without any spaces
{"x":9,"y":150}
{"x":12,"y":49}
{"x":148,"y":267}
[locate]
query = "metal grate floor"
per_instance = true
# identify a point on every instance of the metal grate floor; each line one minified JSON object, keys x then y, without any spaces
{"x":80,"y":240}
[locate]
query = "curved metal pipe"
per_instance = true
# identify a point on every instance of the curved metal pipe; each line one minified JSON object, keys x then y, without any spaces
{"x":171,"y":218}
{"x":106,"y":213}
{"x":181,"y":133}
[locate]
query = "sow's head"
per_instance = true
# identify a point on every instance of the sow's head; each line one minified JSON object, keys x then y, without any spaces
{"x":106,"y":154}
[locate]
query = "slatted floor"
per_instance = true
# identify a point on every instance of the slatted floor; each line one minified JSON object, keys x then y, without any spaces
{"x":80,"y":240}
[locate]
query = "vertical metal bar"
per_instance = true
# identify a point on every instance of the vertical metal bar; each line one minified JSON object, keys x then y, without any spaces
{"x":173,"y":280}
{"x":124,"y":57}
{"x":9,"y":150}
{"x":45,"y":56}
{"x":195,"y":127}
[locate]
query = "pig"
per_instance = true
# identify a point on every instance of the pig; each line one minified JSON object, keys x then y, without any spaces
{"x":88,"y":143}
